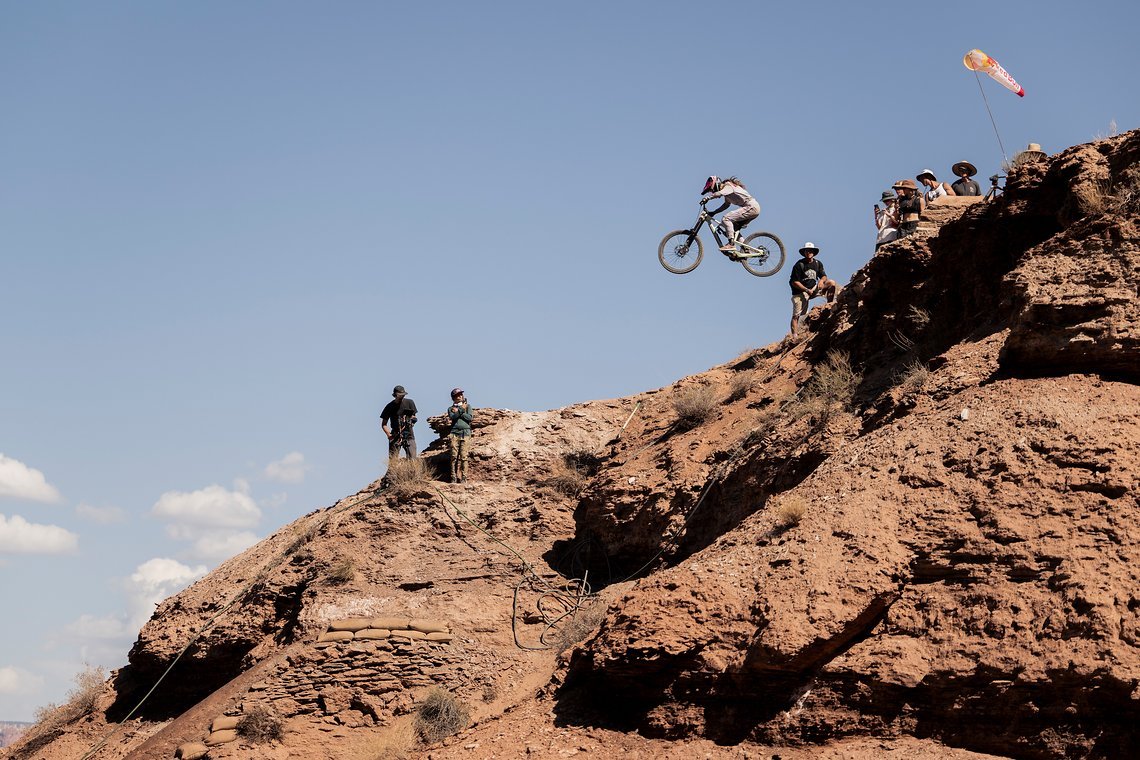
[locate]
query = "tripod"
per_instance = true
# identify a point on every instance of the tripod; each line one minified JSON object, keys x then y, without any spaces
{"x":994,"y":190}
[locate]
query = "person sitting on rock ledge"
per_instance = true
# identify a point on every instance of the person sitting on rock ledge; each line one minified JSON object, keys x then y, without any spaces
{"x":964,"y":170}
{"x":808,"y":281}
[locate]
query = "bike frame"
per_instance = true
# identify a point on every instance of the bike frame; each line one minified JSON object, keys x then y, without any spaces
{"x":747,"y":251}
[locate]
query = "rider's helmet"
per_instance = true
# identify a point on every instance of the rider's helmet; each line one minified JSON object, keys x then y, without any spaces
{"x":456,"y":393}
{"x":712,"y":185}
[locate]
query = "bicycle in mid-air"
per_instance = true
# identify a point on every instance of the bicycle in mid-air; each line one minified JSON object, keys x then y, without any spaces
{"x":761,"y":253}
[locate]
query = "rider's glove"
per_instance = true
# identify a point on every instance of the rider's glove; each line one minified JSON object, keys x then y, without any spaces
{"x":705,"y":200}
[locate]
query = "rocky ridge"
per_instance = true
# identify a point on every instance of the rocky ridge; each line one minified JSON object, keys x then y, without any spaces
{"x":914,"y":532}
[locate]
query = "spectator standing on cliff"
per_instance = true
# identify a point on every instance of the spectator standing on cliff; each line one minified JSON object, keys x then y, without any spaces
{"x":459,"y":439}
{"x":808,"y":281}
{"x":910,"y":205}
{"x":886,"y":219}
{"x":934,"y":188}
{"x":964,"y":170}
{"x":401,"y":414}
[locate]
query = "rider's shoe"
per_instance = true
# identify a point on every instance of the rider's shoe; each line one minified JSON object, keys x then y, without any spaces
{"x":728,"y":248}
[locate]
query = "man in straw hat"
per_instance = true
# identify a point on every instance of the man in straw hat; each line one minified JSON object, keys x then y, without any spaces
{"x":965,"y":186}
{"x":909,"y":207}
{"x":1030,"y":155}
{"x":808,"y":281}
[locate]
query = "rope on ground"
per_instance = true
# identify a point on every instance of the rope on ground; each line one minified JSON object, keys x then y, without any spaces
{"x":570,"y":597}
{"x":261,"y":576}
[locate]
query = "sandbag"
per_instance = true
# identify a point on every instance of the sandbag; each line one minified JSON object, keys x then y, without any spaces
{"x":409,"y":634}
{"x":223,"y":722}
{"x":352,"y":624}
{"x":221,"y":737}
{"x":191,"y":751}
{"x":439,"y":636}
{"x":372,"y":633}
{"x":391,"y":623}
{"x":336,"y":636}
{"x":428,"y":626}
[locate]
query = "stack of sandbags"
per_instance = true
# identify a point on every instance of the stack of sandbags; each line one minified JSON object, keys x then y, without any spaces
{"x":366,"y":629}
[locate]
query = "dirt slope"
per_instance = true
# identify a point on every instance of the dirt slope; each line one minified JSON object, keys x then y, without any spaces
{"x":913,"y":534}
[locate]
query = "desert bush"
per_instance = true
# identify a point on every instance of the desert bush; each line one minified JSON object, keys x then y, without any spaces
{"x":913,"y":377}
{"x":342,"y":572}
{"x":566,"y":477}
{"x":741,"y":385}
{"x":694,"y":406}
{"x":261,"y":725}
{"x":918,"y":316}
{"x":578,"y":626}
{"x":789,"y":512}
{"x":407,"y":476}
{"x":440,"y":715}
{"x":831,"y":387}
{"x":52,"y":718}
{"x":764,"y":426}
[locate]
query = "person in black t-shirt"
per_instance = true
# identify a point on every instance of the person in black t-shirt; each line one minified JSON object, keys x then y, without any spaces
{"x":965,"y":185}
{"x":808,"y":281}
{"x":401,"y":413}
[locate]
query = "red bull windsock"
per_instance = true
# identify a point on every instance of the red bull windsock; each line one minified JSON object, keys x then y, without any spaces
{"x":976,"y":60}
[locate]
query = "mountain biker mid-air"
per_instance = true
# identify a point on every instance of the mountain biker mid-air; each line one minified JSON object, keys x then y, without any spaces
{"x":734,"y":193}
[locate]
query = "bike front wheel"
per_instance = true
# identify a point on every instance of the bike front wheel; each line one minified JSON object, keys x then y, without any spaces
{"x":769,"y":256}
{"x":680,"y":251}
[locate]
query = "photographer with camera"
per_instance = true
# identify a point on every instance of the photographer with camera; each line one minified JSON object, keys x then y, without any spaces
{"x":459,"y":439}
{"x":401,"y":413}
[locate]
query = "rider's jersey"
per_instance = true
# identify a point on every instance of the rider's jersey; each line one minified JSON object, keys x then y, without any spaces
{"x":736,"y":195}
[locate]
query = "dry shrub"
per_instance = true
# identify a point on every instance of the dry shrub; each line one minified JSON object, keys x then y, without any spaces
{"x":261,"y":725}
{"x":407,"y":476}
{"x":440,"y":715}
{"x":53,"y":718}
{"x":741,"y":385}
{"x":694,"y":406}
{"x":764,"y":426}
{"x":1093,"y":197}
{"x":789,"y":512}
{"x":395,"y":743}
{"x":342,"y":572}
{"x":913,"y":377}
{"x":578,"y":626}
{"x":831,"y":387}
{"x":490,"y":691}
{"x":566,"y":477}
{"x":918,"y":317}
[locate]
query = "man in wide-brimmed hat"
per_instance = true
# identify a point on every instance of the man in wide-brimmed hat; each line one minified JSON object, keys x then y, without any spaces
{"x":1030,"y":155}
{"x":808,"y":281}
{"x":964,"y":170}
{"x":909,"y":207}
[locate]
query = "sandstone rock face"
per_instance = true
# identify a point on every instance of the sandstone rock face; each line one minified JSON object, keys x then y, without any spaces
{"x":965,"y":565}
{"x":915,"y":533}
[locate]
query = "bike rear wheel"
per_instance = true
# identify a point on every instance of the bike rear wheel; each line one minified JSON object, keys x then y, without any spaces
{"x":680,"y":251}
{"x":771,"y":258}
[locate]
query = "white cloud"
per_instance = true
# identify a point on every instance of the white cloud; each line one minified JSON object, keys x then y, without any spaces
{"x":101,"y":515}
{"x":153,"y":581}
{"x":91,"y":627}
{"x":18,"y":481}
{"x":210,"y":507}
{"x":291,"y":468}
{"x":18,"y":536}
{"x":19,"y":681}
{"x":219,"y":545}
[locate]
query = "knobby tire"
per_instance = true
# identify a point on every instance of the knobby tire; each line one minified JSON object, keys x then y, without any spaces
{"x":775,"y":260}
{"x":683,"y":248}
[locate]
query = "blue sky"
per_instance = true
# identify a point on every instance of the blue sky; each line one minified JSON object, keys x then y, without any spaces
{"x":228,"y":229}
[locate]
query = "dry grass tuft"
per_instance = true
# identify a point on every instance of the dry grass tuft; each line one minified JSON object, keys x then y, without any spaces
{"x":789,"y":512}
{"x":694,"y":406}
{"x":52,"y":718}
{"x":260,"y":725}
{"x":913,"y":377}
{"x":566,"y":478}
{"x":918,"y":317}
{"x":407,"y":476}
{"x":342,"y":572}
{"x":578,"y":626}
{"x":831,"y":388}
{"x":741,"y":385}
{"x":764,"y":426}
{"x":440,"y":715}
